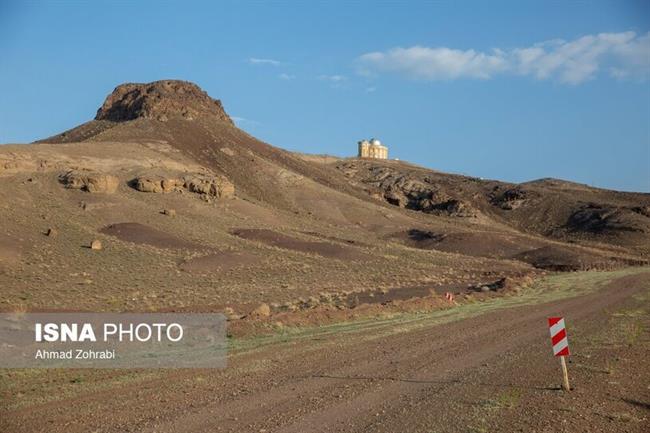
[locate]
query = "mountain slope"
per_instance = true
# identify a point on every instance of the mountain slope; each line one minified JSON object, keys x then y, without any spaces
{"x":196,"y":214}
{"x":551,"y":208}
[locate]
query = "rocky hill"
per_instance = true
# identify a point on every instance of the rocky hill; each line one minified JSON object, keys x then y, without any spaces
{"x":550,"y":208}
{"x":192,"y":213}
{"x":160,"y":100}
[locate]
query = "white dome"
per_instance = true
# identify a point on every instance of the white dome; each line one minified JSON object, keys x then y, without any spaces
{"x":375,"y":142}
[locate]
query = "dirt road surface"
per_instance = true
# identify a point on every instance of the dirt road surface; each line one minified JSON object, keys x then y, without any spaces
{"x":492,"y":372}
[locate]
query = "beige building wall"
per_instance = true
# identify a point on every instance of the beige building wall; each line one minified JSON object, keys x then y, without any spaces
{"x":378,"y":152}
{"x":368,"y":150}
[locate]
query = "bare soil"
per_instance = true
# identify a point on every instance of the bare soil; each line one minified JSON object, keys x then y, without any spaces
{"x":492,"y":371}
{"x":280,"y":240}
{"x":144,"y":235}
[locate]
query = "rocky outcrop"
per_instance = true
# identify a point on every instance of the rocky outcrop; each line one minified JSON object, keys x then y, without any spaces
{"x":401,"y":190}
{"x":429,"y":201}
{"x":641,"y":210}
{"x":156,"y":184}
{"x":162,"y":101}
{"x":607,"y":219}
{"x":210,"y":186}
{"x":90,"y":181}
{"x":453,"y":207}
{"x":509,"y":199}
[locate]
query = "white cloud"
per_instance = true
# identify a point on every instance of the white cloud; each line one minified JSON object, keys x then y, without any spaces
{"x":371,"y":89}
{"x":336,"y":81}
{"x":575,"y":61}
{"x":634,"y":57}
{"x":332,"y":78}
{"x":622,"y":54}
{"x":284,"y":76}
{"x":435,"y":63}
{"x":257,"y":61}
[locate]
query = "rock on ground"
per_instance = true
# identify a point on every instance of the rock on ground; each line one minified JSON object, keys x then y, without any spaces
{"x":207,"y":185}
{"x":90,"y":181}
{"x":213,"y":186}
{"x":156,"y":184}
{"x":263,"y":310}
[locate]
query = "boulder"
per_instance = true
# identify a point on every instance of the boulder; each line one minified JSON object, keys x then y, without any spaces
{"x":206,"y":185}
{"x":170,"y":184}
{"x":156,"y":184}
{"x":96,"y":245}
{"x":147,"y":184}
{"x":90,"y":181}
{"x":213,"y":186}
{"x":262,"y":310}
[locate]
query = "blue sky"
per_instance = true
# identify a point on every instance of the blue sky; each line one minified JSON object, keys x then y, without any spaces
{"x":507,"y":90}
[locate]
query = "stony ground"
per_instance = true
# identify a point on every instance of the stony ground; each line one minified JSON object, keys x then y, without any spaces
{"x":483,"y":367}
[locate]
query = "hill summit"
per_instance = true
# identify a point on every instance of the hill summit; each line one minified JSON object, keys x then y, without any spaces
{"x":160,"y":100}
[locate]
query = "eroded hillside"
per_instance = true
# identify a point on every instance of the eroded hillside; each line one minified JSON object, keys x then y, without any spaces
{"x":193,"y":213}
{"x":554,"y":209}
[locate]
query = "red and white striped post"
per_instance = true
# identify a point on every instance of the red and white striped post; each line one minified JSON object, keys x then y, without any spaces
{"x":560,"y":345}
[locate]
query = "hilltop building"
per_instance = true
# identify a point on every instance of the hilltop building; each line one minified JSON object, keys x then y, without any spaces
{"x":372,"y":149}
